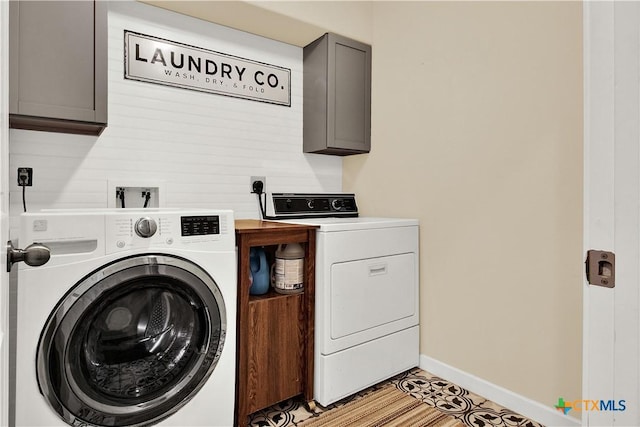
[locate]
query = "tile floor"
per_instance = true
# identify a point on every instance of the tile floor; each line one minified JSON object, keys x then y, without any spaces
{"x":471,"y":409}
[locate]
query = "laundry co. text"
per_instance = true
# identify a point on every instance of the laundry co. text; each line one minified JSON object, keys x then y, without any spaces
{"x":170,"y":63}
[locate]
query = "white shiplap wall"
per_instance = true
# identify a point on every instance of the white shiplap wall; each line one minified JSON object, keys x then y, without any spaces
{"x":202,"y":148}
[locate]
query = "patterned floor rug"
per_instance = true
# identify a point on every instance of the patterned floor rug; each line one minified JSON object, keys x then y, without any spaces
{"x":470,"y":409}
{"x":387,"y":407}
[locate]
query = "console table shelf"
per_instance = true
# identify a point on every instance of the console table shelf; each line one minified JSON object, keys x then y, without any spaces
{"x":274,"y":331}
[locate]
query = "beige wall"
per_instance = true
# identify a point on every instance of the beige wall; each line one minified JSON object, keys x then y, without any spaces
{"x":476,"y":131}
{"x":294,"y":22}
{"x":348,"y":18}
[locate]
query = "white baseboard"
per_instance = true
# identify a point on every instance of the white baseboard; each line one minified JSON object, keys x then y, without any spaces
{"x":533,"y":410}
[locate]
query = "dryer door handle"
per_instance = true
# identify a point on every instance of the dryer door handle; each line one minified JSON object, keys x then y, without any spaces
{"x":35,"y":255}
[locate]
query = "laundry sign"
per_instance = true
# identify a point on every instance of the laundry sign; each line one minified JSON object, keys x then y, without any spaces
{"x":155,"y":60}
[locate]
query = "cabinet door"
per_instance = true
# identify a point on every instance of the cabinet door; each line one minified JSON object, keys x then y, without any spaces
{"x":337,"y":96}
{"x":275,"y":350}
{"x":349,"y":97}
{"x":56,"y":58}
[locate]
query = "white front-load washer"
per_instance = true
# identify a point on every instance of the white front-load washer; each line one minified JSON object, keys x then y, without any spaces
{"x":130,"y":323}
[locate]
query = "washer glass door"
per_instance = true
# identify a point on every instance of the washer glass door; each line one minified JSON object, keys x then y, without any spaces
{"x":132,"y":342}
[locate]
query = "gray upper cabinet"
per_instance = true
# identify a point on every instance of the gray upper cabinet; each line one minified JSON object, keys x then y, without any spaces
{"x":58,"y":66}
{"x":337,"y":96}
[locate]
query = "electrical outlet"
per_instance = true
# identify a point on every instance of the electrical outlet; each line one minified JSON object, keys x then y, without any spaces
{"x":25,"y":177}
{"x":253,"y":188}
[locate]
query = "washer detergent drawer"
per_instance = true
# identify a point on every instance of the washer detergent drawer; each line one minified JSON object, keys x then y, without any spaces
{"x":371,"y":293}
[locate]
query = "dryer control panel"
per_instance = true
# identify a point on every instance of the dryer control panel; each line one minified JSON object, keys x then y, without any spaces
{"x":312,"y":205}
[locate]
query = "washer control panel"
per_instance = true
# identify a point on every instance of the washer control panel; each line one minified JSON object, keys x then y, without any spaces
{"x":200,"y":225}
{"x":158,"y":229}
{"x":292,"y":205}
{"x":146,"y":227}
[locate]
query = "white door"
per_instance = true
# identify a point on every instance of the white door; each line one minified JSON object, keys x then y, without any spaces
{"x":612,"y":210}
{"x":4,"y":211}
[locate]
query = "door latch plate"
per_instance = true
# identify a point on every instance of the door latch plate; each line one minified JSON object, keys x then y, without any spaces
{"x":601,"y":268}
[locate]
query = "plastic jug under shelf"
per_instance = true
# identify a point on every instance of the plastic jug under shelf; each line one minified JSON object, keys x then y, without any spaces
{"x":259,"y":271}
{"x":287,"y":273}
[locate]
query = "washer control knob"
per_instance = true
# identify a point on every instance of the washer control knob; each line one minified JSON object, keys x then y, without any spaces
{"x":146,"y":227}
{"x":337,"y":204}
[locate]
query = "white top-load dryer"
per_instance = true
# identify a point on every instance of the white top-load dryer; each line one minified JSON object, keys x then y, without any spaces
{"x":367,"y":292}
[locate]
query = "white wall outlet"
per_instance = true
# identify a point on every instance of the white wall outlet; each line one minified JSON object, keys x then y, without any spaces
{"x":253,"y":179}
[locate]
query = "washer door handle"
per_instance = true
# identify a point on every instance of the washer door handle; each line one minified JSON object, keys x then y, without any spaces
{"x":35,"y":255}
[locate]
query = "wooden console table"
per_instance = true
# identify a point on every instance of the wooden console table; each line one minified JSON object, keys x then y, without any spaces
{"x":274,"y":331}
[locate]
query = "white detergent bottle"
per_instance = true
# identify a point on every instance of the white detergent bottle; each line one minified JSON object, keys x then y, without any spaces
{"x":287,"y":273}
